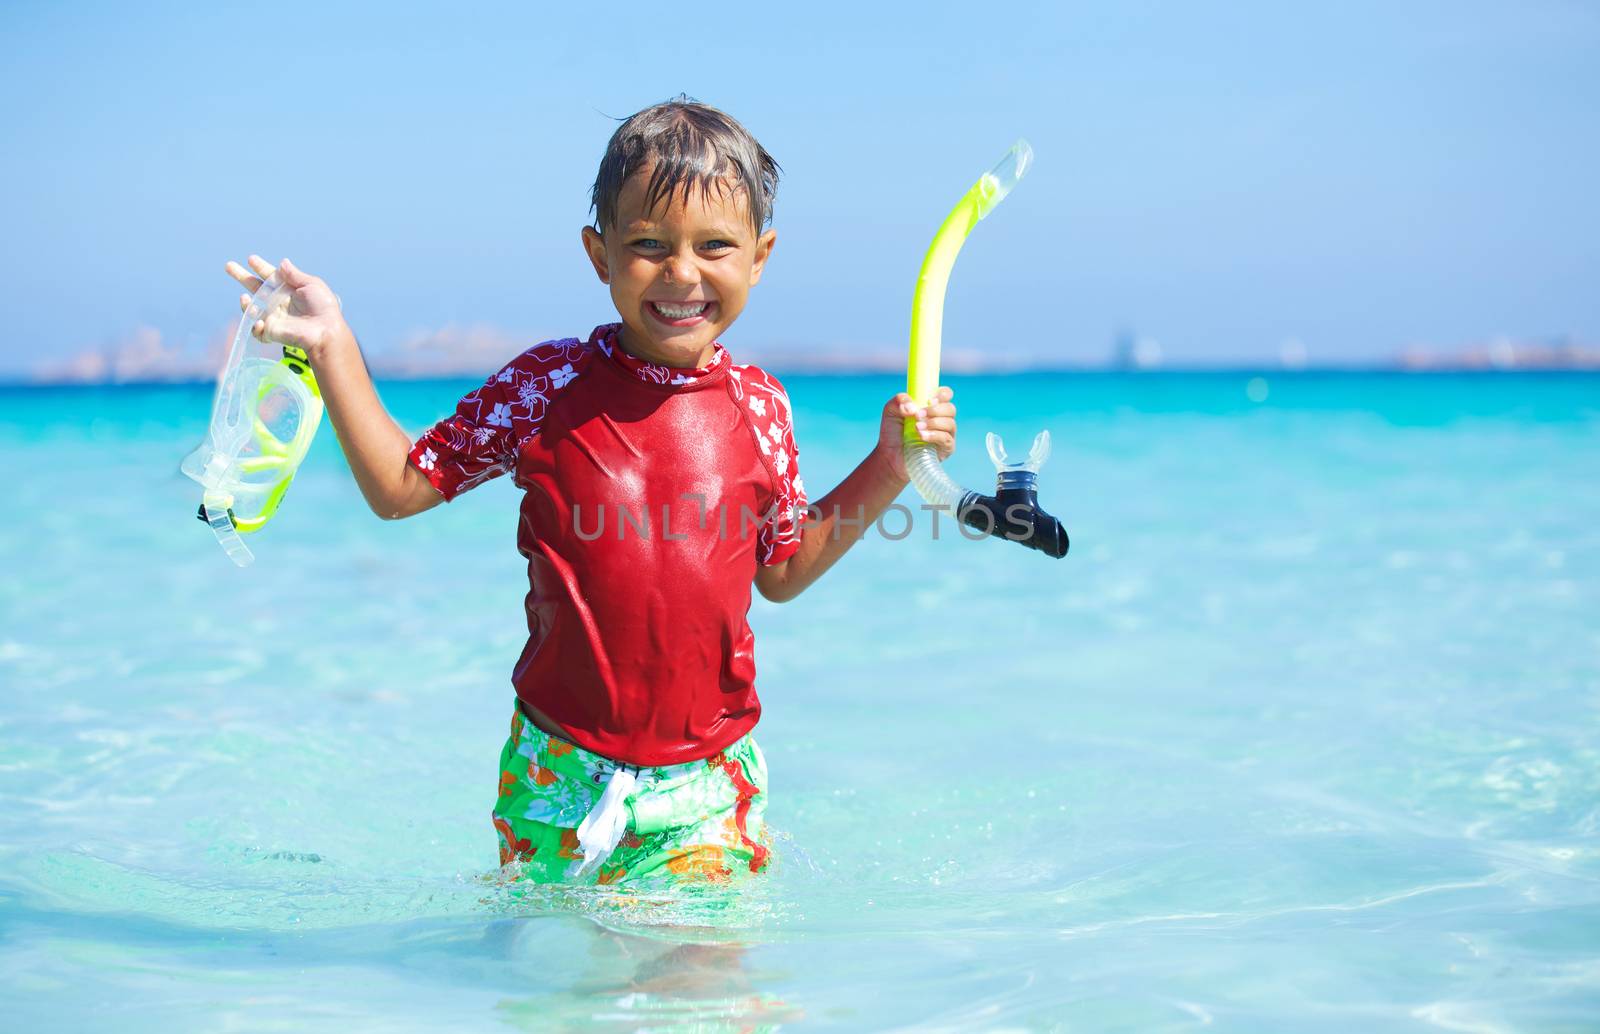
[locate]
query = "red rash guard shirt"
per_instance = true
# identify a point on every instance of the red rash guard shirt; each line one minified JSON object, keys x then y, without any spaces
{"x":650,"y":494}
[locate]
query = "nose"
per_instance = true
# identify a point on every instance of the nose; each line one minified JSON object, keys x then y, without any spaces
{"x":679,"y":268}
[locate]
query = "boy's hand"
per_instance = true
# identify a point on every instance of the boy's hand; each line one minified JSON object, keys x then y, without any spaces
{"x":310,"y":319}
{"x":935,"y":421}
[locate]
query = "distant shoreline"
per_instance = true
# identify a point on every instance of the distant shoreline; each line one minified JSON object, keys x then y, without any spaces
{"x":456,"y":353}
{"x":788,"y":370}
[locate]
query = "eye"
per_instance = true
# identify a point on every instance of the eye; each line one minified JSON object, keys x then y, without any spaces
{"x":648,"y":243}
{"x":717,"y":245}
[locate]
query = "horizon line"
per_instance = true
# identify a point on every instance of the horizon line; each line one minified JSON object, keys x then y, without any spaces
{"x":874,"y":370}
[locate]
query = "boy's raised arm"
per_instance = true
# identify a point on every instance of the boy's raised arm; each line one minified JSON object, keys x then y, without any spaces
{"x":374,"y":444}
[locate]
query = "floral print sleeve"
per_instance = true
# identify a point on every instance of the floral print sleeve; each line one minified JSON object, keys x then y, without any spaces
{"x":767,"y":408}
{"x":478,"y":442}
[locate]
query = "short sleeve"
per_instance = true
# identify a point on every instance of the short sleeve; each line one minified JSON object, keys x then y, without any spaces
{"x":772,"y":419}
{"x":478,"y":442}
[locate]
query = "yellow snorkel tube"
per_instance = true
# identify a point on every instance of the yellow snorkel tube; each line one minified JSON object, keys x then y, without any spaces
{"x":1013,"y":511}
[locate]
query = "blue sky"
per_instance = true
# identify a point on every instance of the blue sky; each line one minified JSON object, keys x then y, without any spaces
{"x":1359,"y":177}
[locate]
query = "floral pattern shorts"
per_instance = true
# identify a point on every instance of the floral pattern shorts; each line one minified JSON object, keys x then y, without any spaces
{"x":697,"y":820}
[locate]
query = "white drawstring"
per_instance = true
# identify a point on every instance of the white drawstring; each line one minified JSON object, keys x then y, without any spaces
{"x":601,"y":830}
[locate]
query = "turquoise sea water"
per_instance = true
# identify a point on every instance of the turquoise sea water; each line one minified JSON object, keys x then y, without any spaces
{"x":1302,"y":736}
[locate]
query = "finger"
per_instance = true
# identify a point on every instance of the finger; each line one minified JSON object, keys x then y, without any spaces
{"x":248,"y":280}
{"x":279,"y":328}
{"x":262,"y":267}
{"x":259,"y":330}
{"x":244,"y":303}
{"x":292,"y":275}
{"x":275,"y":326}
{"x":944,"y":394}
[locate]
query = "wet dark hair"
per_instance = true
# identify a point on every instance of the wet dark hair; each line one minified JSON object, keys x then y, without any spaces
{"x":690,"y":145}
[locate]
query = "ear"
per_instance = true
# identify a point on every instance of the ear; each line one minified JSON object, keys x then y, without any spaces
{"x":764,"y":245}
{"x":595,"y":246}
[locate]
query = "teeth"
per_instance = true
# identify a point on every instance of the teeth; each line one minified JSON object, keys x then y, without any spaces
{"x":679,"y":312}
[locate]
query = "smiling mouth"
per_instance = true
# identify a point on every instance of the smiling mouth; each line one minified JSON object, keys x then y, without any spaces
{"x":680,"y":314}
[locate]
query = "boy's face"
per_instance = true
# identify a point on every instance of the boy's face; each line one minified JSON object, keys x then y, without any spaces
{"x":680,"y":274}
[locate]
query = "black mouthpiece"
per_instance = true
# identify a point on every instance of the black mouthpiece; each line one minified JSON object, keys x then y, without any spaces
{"x":1013,"y":514}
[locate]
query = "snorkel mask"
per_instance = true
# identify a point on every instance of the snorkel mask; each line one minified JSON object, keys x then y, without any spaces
{"x":1013,"y":511}
{"x":267,"y":410}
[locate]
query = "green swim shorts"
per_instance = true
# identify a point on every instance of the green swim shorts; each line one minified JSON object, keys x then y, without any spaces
{"x":697,"y":820}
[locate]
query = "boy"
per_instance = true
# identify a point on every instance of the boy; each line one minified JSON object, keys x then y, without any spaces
{"x":660,"y":480}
